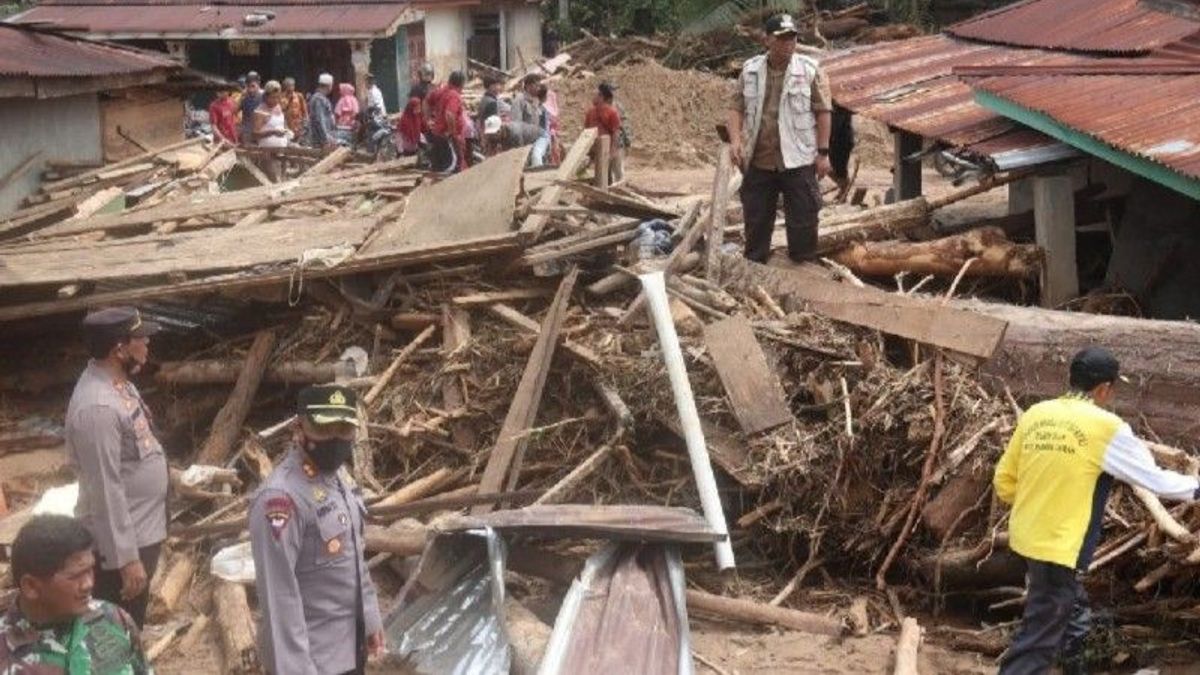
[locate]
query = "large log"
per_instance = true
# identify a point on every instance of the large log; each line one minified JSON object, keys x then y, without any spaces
{"x":236,"y":626}
{"x":1161,"y":358}
{"x":748,"y":611}
{"x":221,"y":371}
{"x":175,"y":584}
{"x":989,"y":250}
{"x":228,"y":423}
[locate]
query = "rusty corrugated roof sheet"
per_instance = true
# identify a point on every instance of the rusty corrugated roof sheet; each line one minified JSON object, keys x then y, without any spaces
{"x":1162,"y":126}
{"x":36,"y":54}
{"x":910,"y":85}
{"x":203,"y":21}
{"x":1095,"y":26}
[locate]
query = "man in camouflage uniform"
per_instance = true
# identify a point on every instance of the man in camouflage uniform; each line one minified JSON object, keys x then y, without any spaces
{"x":320,"y":610}
{"x":55,"y":626}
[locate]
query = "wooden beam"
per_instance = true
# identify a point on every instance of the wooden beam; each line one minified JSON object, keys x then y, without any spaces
{"x":1054,"y":232}
{"x":579,"y":351}
{"x":456,"y":335}
{"x":508,"y":452}
{"x":228,"y":423}
{"x":492,"y":297}
{"x":576,"y":157}
{"x":906,"y":174}
{"x":717,"y":215}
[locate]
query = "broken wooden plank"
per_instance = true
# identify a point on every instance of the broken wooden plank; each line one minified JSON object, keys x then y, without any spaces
{"x":915,"y":318}
{"x":506,"y":456}
{"x":417,"y":255}
{"x":609,"y":201}
{"x":228,"y":424}
{"x":386,"y":377}
{"x":512,"y":316}
{"x":329,"y":162}
{"x":456,"y":334}
{"x":493,"y":297}
{"x":755,"y":394}
{"x":608,"y":521}
{"x":717,"y":214}
{"x":576,"y":157}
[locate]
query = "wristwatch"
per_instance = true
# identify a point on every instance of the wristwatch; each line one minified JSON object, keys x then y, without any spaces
{"x":824,"y":152}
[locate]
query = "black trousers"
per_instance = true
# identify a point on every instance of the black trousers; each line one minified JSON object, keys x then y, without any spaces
{"x":1057,"y":618}
{"x":801,"y":205}
{"x":108,"y":584}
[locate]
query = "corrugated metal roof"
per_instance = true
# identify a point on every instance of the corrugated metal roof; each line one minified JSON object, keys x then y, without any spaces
{"x":910,"y":85}
{"x":198,"y":21}
{"x":1162,"y":126}
{"x":29,"y":53}
{"x":1097,"y":26}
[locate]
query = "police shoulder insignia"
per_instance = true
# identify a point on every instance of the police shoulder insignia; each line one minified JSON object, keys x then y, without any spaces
{"x":279,"y":512}
{"x":334,"y":546}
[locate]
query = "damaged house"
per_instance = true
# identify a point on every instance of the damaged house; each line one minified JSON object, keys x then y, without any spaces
{"x":301,"y":39}
{"x":1095,"y":100}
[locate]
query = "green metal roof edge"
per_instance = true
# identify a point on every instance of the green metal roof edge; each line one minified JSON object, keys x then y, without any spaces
{"x":1051,"y":127}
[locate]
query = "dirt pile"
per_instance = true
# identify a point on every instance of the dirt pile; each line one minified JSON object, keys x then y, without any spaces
{"x":672,"y":113}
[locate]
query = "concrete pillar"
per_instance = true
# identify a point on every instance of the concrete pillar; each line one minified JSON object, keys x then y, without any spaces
{"x":360,"y":59}
{"x":1020,"y":196}
{"x":178,"y":50}
{"x":906,"y":176}
{"x":1054,"y":225}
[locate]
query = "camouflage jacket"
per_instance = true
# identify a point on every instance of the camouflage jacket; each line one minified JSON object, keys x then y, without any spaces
{"x":104,"y":641}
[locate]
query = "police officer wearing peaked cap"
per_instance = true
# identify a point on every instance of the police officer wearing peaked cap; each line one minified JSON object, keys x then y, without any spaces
{"x":121,"y":466}
{"x":320,"y":610}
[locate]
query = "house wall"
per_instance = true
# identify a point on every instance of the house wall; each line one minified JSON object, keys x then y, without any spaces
{"x":523,"y":25}
{"x":64,"y":129}
{"x":151,"y":118}
{"x":446,"y":32}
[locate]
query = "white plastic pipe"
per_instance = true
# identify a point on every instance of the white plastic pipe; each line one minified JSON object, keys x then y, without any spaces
{"x":655,"y":287}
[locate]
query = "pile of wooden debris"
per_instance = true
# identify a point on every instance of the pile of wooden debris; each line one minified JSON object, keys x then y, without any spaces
{"x":851,"y":430}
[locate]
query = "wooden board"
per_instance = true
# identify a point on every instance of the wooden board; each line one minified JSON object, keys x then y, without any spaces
{"x":754,"y":392}
{"x":205,"y":251}
{"x":576,"y":157}
{"x":508,"y":452}
{"x":475,"y":203}
{"x":148,"y":117}
{"x":916,"y":318}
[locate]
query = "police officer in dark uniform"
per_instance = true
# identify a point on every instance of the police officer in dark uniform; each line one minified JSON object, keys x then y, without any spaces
{"x":121,"y":466}
{"x":320,"y":610}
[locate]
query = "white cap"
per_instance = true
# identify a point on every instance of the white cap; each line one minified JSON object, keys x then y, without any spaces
{"x":491,"y":125}
{"x":325,"y":80}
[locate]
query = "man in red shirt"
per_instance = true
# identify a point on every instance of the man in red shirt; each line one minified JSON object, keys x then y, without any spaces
{"x":449,"y":136}
{"x":222,"y":115}
{"x":607,"y":121}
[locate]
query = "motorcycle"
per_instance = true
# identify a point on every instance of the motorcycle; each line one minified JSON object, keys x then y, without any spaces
{"x":380,"y":136}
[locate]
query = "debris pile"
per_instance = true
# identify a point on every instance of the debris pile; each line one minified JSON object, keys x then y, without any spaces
{"x":846,"y":440}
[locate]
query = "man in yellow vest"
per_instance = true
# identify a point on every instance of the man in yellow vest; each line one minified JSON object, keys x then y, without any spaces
{"x":1056,"y":473}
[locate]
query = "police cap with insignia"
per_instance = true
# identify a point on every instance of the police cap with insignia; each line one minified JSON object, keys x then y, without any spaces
{"x":104,"y":329}
{"x":328,"y":404}
{"x":779,"y":24}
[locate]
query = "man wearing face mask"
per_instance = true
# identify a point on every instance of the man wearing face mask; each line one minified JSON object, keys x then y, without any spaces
{"x":120,"y":464}
{"x":320,"y":610}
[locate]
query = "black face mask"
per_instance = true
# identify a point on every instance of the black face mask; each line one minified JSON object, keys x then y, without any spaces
{"x":330,"y":454}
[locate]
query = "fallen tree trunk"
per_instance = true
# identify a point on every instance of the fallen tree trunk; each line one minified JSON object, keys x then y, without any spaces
{"x":1161,"y":358}
{"x":749,"y":611}
{"x":989,"y":251}
{"x":228,"y":423}
{"x":218,"y":371}
{"x":236,"y":626}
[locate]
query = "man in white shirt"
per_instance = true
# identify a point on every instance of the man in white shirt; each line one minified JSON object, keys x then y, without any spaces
{"x":374,"y":95}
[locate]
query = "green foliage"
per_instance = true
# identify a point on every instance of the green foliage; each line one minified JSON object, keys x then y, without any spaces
{"x":688,"y":17}
{"x":916,"y":12}
{"x":724,"y":16}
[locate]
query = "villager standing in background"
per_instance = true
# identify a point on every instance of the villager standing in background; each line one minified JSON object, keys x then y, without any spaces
{"x":449,"y":152}
{"x":1056,"y":473}
{"x":270,"y":128}
{"x":321,"y":126}
{"x":375,"y":96}
{"x":295,"y":108}
{"x":603,"y":116}
{"x":223,"y":117}
{"x":779,"y":124}
{"x":251,"y":99}
{"x":120,"y":464}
